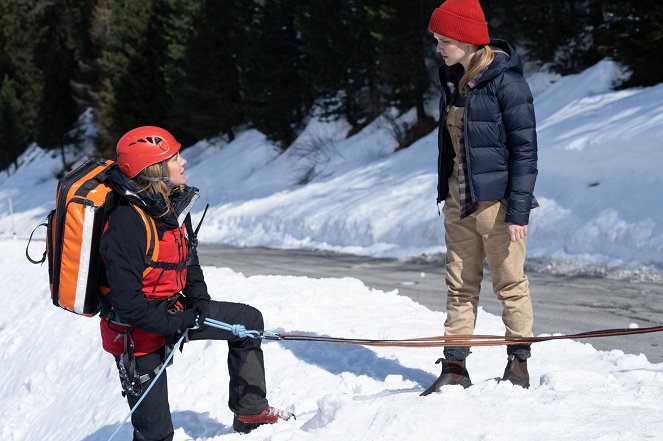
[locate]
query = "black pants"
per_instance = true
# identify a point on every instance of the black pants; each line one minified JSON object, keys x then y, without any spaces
{"x":152,"y":420}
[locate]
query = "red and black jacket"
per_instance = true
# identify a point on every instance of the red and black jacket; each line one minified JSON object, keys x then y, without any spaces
{"x":139,"y":300}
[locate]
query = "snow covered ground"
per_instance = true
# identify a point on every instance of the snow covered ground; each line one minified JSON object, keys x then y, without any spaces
{"x":600,"y":155}
{"x":59,"y":385}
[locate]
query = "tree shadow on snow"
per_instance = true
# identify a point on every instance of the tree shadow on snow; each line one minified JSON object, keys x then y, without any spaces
{"x":195,"y":424}
{"x":358,"y":360}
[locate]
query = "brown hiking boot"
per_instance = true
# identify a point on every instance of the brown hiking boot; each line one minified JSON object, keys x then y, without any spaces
{"x":516,"y":372}
{"x":453,"y":372}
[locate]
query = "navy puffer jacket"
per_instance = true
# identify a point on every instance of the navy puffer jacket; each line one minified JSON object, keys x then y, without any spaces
{"x":499,"y":135}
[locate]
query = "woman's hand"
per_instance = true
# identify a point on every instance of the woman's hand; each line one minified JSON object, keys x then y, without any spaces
{"x":201,"y":306}
{"x":517,"y":232}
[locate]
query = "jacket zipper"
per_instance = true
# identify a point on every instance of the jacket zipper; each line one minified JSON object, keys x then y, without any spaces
{"x":466,"y":147}
{"x":440,"y":159}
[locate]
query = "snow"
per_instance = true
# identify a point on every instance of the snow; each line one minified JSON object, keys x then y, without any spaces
{"x":600,"y":151}
{"x":60,"y":385}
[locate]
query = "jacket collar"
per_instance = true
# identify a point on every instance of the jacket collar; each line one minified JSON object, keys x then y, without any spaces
{"x":501,"y":63}
{"x":506,"y":59}
{"x":153,"y":203}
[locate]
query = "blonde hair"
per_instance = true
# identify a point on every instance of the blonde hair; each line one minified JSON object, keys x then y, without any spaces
{"x":480,"y":62}
{"x":157,"y":171}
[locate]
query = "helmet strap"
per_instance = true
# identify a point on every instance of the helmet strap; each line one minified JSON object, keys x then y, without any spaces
{"x":164,"y":178}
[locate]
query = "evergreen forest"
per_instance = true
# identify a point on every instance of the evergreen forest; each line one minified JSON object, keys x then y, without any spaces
{"x":210,"y":68}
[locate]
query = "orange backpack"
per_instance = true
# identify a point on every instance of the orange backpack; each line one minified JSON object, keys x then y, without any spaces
{"x":84,"y":201}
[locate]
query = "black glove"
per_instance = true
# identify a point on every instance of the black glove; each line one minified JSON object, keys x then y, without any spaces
{"x":201,"y":306}
{"x":187,"y":319}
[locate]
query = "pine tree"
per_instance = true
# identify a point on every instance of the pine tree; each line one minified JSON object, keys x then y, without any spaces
{"x":18,"y":34}
{"x":559,"y":33}
{"x":13,"y":135}
{"x":405,"y":50}
{"x":275,"y":95}
{"x":336,"y":58}
{"x":208,"y":101}
{"x":342,"y":41}
{"x":133,"y":85}
{"x":88,"y":34}
{"x":56,"y":54}
{"x":634,"y":36}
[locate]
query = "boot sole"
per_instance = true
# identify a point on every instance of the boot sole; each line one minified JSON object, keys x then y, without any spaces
{"x":242,"y":427}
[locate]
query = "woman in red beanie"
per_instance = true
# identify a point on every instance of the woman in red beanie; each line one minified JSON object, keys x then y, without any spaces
{"x":487,"y":169}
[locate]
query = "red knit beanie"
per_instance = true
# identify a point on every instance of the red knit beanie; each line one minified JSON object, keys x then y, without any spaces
{"x":462,"y":20}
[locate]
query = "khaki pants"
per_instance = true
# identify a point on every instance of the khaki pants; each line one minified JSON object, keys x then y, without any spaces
{"x":483,"y":236}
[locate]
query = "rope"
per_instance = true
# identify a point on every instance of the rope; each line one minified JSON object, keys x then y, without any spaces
{"x":147,"y":391}
{"x":457,"y":340}
{"x":425,"y":342}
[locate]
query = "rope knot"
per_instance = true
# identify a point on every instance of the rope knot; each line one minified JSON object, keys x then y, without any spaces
{"x":242,"y":332}
{"x":238,"y":330}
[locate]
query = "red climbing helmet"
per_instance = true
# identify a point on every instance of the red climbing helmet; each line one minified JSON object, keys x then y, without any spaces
{"x":144,"y":146}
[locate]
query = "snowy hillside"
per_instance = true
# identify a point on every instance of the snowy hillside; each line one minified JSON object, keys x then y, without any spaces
{"x":599,"y":159}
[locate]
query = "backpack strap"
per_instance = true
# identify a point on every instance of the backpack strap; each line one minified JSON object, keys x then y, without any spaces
{"x":151,"y":253}
{"x":192,"y":237}
{"x":27,"y":253}
{"x":152,"y":247}
{"x":191,"y":248}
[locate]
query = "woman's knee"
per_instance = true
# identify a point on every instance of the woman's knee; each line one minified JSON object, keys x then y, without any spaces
{"x":255,"y":317}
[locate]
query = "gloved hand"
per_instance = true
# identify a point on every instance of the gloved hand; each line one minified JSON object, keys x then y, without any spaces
{"x":187,"y":319}
{"x":201,"y":306}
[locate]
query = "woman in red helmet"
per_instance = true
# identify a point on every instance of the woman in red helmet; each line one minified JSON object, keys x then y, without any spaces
{"x":152,"y":300}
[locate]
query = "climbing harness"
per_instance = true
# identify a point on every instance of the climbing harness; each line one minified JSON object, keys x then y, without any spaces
{"x":147,"y":391}
{"x":238,"y":330}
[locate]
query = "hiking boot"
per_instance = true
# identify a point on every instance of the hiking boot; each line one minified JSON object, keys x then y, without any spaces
{"x":453,"y":372}
{"x":246,"y":423}
{"x":516,"y":372}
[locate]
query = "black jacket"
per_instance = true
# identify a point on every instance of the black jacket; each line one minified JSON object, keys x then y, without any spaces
{"x":499,"y":135}
{"x":123,"y":250}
